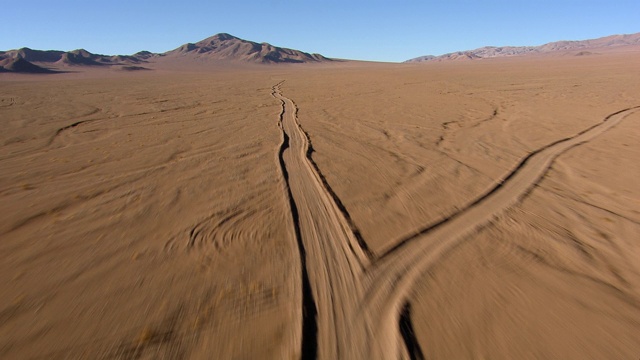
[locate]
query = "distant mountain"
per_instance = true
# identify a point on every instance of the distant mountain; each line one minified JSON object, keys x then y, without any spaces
{"x":220,"y":47}
{"x":72,"y":58}
{"x":20,"y":65}
{"x":228,"y":47}
{"x":143,"y":55}
{"x":582,"y":47}
{"x":33,"y":55}
{"x":81,"y":57}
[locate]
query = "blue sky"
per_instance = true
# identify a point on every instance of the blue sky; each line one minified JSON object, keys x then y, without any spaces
{"x":355,"y":29}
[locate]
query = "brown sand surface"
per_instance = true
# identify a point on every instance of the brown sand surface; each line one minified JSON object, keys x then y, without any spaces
{"x":143,"y":216}
{"x":483,"y":209}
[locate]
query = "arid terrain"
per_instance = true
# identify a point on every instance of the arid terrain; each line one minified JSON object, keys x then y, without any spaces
{"x":482,"y":209}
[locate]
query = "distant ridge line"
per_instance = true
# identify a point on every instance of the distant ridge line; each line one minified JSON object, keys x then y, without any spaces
{"x":566,"y":45}
{"x":219,"y":47}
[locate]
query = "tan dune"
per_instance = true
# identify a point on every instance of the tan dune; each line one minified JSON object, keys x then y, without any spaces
{"x":336,"y":210}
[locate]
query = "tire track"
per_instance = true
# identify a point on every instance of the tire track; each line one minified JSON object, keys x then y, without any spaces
{"x":74,"y":125}
{"x":360,"y":308}
{"x":331,"y":258}
{"x":532,"y":167}
{"x":347,"y":217}
{"x":395,"y":272}
{"x":309,"y":342}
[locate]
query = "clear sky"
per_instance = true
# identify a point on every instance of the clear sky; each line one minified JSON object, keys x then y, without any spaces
{"x":354,"y":29}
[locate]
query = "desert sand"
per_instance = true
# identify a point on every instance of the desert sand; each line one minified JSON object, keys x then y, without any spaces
{"x":445,"y":210}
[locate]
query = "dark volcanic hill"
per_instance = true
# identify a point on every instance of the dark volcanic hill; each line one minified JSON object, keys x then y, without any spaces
{"x":582,"y":47}
{"x":228,"y":47}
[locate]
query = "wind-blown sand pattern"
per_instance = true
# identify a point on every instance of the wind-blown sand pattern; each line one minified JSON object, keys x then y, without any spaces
{"x":330,"y":211}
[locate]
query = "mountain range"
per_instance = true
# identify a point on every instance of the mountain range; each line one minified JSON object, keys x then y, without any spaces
{"x":228,"y":48}
{"x":220,"y":47}
{"x":582,"y":47}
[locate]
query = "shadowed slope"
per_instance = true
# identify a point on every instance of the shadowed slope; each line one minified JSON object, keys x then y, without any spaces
{"x":20,"y":65}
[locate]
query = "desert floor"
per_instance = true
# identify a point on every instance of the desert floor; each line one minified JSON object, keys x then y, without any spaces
{"x":458,"y":210}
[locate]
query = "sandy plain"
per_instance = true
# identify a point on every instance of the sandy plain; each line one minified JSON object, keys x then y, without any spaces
{"x":482,"y":209}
